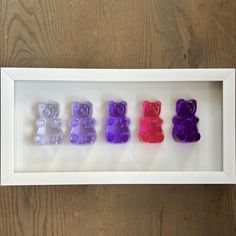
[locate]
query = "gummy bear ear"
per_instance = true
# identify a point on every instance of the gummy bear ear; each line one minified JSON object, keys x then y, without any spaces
{"x":89,"y":104}
{"x":42,"y":104}
{"x":194,"y":102}
{"x":180,"y":101}
{"x":56,"y":105}
{"x":110,"y":103}
{"x":145,"y":103}
{"x":158,"y":103}
{"x":74,"y":105}
{"x":124,"y":103}
{"x":179,"y":104}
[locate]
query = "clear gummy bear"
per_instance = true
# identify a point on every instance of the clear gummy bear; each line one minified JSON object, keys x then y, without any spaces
{"x":150,"y":130}
{"x":49,"y":126}
{"x":82,"y":124}
{"x":117,"y":124}
{"x":185,"y":122}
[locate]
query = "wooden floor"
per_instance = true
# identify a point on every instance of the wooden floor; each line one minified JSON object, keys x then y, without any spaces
{"x":118,"y":34}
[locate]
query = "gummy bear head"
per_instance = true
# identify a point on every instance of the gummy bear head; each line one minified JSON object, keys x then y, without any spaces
{"x":117,"y":109}
{"x":186,"y":107}
{"x":48,"y":110}
{"x":82,"y":110}
{"x":151,"y":109}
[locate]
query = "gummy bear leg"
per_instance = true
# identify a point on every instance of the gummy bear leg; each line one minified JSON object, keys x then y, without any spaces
{"x":59,"y":138}
{"x":144,"y":137}
{"x":93,"y":138}
{"x":194,"y":137}
{"x":39,"y":139}
{"x":197,"y":137}
{"x":160,"y":138}
{"x":180,"y":137}
{"x":90,"y":139}
{"x":87,"y":140}
{"x":74,"y":138}
{"x":110,"y":137}
{"x":124,"y":138}
{"x":56,"y":138}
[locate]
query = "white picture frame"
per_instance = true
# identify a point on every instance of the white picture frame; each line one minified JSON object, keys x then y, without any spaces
{"x":11,"y":177}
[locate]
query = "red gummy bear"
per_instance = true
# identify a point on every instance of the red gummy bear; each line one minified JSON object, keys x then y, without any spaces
{"x":150,"y":124}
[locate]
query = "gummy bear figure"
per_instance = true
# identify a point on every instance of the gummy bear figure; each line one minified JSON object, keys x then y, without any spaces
{"x":117,"y":124}
{"x":82,"y":124}
{"x":185,"y":122}
{"x":150,"y":130}
{"x":49,"y":126}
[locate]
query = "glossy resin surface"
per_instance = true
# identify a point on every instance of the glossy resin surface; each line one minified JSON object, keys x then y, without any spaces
{"x":48,"y":125}
{"x":185,"y":122}
{"x":150,"y":130}
{"x":117,"y":124}
{"x":82,"y":124}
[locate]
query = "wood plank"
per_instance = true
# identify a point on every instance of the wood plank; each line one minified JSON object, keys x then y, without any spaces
{"x":118,"y":34}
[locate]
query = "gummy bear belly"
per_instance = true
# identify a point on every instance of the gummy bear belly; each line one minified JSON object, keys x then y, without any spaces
{"x":82,"y":135}
{"x":151,"y":136}
{"x":117,"y":134}
{"x":151,"y":131}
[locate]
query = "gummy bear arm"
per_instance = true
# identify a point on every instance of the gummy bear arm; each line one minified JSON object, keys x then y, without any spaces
{"x":58,"y":123}
{"x":124,"y":120}
{"x":74,"y":122}
{"x":127,"y":120}
{"x":143,"y":121}
{"x":159,"y":121}
{"x":110,"y":121}
{"x":196,"y":119}
{"x":176,"y":119}
{"x":92,"y":122}
{"x":40,"y":123}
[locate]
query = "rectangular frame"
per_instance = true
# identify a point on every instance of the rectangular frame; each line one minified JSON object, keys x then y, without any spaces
{"x":10,"y":177}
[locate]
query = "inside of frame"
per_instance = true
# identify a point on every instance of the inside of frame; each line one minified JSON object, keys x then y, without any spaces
{"x":205,"y":155}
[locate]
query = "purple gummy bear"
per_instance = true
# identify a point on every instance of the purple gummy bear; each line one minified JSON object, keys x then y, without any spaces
{"x":117,"y":124}
{"x":82,"y":124}
{"x":49,"y":126}
{"x":185,"y":122}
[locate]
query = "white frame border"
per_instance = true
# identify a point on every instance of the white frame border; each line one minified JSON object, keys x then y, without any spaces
{"x":10,"y":177}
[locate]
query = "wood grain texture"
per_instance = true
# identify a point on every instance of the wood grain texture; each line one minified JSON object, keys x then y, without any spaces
{"x":118,"y":34}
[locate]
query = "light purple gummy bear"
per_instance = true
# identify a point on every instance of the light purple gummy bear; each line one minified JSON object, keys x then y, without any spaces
{"x":82,"y":124}
{"x":49,"y":126}
{"x":117,"y":124}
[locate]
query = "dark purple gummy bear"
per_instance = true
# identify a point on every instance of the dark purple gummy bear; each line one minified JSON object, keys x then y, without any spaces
{"x":117,"y":124}
{"x":82,"y":124}
{"x":185,"y":122}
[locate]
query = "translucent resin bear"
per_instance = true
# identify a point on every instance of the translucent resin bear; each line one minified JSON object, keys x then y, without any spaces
{"x":117,"y":124}
{"x":150,"y":130}
{"x":185,"y":122}
{"x":49,"y":126}
{"x":82,"y":124}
